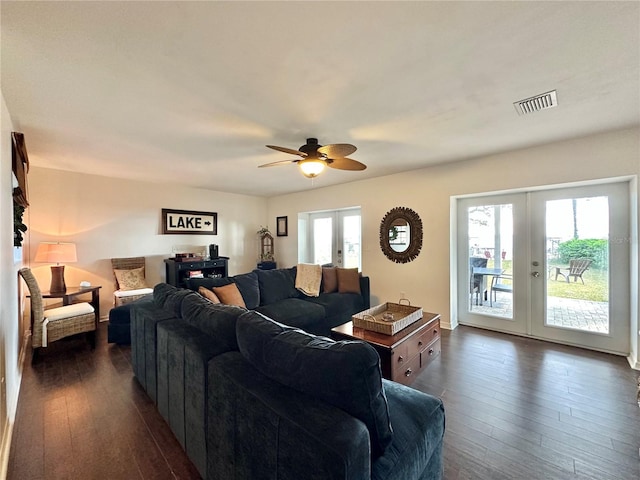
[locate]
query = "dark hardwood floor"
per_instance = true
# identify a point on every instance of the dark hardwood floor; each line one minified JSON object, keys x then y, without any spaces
{"x":515,"y":409}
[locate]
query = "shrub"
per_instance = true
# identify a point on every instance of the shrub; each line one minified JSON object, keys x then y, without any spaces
{"x":595,"y":249}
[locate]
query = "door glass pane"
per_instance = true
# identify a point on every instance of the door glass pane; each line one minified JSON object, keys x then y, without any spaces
{"x":577,"y":293}
{"x":351,"y":241}
{"x":322,"y":240}
{"x":491,"y":260}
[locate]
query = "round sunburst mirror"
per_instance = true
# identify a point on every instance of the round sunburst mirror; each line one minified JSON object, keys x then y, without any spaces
{"x":401,"y":235}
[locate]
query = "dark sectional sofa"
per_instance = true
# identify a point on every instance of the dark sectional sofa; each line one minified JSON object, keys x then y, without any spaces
{"x":272,"y":293}
{"x":251,"y":398}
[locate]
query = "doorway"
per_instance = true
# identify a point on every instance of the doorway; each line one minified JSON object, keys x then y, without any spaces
{"x":551,"y":264}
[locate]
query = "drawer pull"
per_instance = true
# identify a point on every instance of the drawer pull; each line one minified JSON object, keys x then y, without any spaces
{"x":431,"y":351}
{"x":435,"y":331}
{"x":420,"y":343}
{"x":400,"y":359}
{"x":408,"y":372}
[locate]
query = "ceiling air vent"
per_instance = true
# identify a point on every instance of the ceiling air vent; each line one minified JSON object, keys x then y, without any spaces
{"x":534,"y":104}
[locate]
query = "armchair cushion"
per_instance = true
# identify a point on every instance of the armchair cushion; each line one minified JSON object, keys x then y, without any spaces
{"x":345,"y":374}
{"x":132,"y":293}
{"x":68,"y":311}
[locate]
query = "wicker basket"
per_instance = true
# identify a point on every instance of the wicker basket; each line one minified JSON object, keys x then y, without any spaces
{"x":373,"y":318}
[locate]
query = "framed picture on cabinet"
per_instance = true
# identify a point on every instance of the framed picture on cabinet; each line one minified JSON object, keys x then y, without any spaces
{"x":282,"y":227}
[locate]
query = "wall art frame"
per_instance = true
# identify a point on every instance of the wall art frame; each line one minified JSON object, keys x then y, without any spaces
{"x":282,"y":226}
{"x":189,"y":222}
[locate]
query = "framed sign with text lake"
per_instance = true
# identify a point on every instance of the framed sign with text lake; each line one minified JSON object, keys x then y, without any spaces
{"x":189,"y":222}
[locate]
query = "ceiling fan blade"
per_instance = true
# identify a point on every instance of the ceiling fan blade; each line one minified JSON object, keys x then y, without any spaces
{"x":288,"y":150}
{"x":337,"y":150}
{"x":281,"y":162}
{"x":345,"y":164}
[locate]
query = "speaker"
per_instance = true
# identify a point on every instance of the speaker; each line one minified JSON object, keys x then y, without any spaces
{"x":213,"y":251}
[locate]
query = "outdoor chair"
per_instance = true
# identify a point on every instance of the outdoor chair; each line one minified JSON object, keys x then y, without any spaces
{"x":475,"y":283}
{"x":498,"y":284}
{"x":53,"y":324}
{"x":577,"y":267}
{"x":130,"y":284}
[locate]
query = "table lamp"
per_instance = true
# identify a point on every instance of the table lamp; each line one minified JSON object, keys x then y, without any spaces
{"x":56,"y":252}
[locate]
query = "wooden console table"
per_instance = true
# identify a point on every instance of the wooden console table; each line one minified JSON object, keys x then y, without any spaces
{"x":403,"y":355}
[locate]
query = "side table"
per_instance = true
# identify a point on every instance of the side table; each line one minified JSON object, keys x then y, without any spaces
{"x":403,"y":355}
{"x":70,"y":296}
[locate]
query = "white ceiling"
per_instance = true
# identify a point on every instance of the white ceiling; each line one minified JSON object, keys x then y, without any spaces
{"x":190,"y":92}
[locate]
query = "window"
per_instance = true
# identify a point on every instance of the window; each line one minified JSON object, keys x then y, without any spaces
{"x":330,"y":237}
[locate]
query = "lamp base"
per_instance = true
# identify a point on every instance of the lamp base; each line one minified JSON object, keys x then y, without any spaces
{"x":57,"y":279}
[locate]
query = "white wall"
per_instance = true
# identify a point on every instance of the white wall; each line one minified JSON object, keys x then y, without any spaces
{"x":108,"y":217}
{"x":426,"y":280}
{"x":10,"y":369}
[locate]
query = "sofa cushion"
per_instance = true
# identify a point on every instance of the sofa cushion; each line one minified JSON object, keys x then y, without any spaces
{"x":249,"y":288}
{"x":230,"y":295}
{"x":419,"y":424}
{"x":276,"y":285}
{"x":215,"y":319}
{"x":348,"y":280}
{"x":298,"y":313}
{"x":170,"y":298}
{"x":345,"y":374}
{"x":339,"y":303}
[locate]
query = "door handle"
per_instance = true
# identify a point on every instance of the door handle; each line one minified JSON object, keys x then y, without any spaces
{"x":535,"y":274}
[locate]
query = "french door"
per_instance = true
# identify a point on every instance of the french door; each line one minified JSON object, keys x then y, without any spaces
{"x":551,"y":264}
{"x":333,"y":238}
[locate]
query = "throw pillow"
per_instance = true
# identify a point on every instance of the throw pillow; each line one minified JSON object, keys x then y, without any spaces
{"x":132,"y":279}
{"x":208,"y":294}
{"x":329,"y":279}
{"x":348,"y":280}
{"x":229,"y":295}
{"x":345,"y":374}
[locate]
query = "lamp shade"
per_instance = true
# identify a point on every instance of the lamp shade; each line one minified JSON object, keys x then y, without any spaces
{"x":311,"y":168}
{"x":56,"y":252}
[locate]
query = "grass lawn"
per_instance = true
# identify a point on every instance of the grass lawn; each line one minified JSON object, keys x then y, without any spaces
{"x":595,"y":288}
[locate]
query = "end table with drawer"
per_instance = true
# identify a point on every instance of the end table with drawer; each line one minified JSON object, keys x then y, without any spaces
{"x":403,"y":355}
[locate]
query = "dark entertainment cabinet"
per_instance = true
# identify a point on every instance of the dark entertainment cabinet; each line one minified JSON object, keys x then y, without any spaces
{"x":178,"y":272}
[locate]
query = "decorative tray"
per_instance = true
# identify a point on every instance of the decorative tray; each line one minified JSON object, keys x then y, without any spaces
{"x":188,"y":259}
{"x":388,"y":318}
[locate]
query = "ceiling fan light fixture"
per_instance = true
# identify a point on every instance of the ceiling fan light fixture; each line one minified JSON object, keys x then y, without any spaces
{"x":311,"y":168}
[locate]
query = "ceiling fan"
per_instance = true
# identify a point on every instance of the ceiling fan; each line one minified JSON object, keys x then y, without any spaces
{"x":315,"y":157}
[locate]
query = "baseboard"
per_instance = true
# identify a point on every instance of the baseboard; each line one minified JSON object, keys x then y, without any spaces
{"x":5,"y":447}
{"x":445,"y":325}
{"x":633,"y":363}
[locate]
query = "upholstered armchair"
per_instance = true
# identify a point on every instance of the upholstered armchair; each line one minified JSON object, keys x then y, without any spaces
{"x":130,"y":283}
{"x":50,"y":325}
